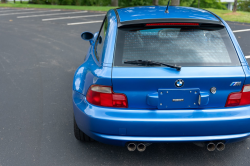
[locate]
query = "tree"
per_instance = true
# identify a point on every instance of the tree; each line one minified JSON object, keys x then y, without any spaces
{"x":3,"y":1}
{"x":155,"y":2}
{"x":235,"y":6}
{"x":114,"y":2}
{"x":244,"y":5}
{"x":175,"y":2}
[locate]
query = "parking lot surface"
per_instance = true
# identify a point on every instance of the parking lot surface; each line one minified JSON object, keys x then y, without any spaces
{"x":39,"y":52}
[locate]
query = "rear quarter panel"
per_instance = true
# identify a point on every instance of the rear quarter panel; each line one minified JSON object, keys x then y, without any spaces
{"x":92,"y":71}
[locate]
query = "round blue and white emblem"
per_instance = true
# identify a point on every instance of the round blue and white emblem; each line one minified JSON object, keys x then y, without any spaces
{"x":179,"y":83}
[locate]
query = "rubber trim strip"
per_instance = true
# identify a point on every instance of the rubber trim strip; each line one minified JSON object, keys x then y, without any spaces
{"x":117,"y":15}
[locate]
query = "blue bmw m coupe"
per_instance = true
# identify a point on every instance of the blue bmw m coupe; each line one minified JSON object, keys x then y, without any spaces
{"x":155,"y":75}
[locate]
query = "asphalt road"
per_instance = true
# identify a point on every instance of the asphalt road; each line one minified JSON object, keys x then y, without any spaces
{"x":37,"y":63}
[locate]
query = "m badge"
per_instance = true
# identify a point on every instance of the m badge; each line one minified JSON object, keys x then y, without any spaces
{"x":235,"y":84}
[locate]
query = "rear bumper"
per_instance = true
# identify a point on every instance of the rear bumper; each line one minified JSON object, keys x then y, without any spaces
{"x":119,"y":126}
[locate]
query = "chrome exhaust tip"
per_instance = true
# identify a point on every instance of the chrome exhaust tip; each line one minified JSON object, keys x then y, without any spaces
{"x":211,"y":146}
{"x":131,"y":147}
{"x":141,"y":147}
{"x":220,"y":146}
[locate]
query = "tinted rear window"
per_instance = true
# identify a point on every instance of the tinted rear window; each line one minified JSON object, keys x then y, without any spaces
{"x":181,"y":46}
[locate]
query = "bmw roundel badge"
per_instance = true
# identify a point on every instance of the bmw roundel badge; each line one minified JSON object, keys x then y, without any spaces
{"x":179,"y":83}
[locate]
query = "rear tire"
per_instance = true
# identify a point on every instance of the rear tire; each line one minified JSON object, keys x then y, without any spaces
{"x":81,"y":136}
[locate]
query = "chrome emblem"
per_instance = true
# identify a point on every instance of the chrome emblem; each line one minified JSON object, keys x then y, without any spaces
{"x":213,"y":90}
{"x":179,"y":83}
{"x":235,"y":84}
{"x":178,"y":99}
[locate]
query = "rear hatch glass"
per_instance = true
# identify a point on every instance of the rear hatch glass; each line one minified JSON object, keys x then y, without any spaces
{"x":185,"y":46}
{"x":207,"y":56}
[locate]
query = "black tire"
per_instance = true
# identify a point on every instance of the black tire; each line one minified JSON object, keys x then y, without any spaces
{"x":81,"y":136}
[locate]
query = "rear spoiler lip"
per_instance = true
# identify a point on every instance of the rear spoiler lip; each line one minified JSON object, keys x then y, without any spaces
{"x":168,"y":20}
{"x":175,"y":20}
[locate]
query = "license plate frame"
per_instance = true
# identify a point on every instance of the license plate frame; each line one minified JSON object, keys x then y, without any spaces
{"x":178,"y":98}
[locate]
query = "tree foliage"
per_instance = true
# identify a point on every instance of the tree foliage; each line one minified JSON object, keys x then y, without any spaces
{"x":244,"y":5}
{"x":124,"y":3}
{"x":74,"y":2}
{"x":216,"y":4}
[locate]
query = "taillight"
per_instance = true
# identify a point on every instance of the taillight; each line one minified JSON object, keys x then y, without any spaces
{"x":239,"y":98}
{"x":104,"y":96}
{"x":173,"y":24}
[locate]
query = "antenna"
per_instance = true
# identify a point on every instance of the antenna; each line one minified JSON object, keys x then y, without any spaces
{"x":166,"y":11}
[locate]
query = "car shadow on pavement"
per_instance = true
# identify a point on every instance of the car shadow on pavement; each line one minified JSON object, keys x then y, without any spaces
{"x":160,"y":154}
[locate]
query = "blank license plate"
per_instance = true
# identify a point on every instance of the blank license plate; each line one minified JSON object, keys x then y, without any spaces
{"x":178,"y":98}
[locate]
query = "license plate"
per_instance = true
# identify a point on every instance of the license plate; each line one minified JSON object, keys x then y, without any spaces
{"x":178,"y":98}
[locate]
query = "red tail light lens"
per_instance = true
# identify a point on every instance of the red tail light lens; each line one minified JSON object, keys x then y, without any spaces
{"x":239,"y":98}
{"x":104,"y":96}
{"x":233,"y":99}
{"x":173,"y":24}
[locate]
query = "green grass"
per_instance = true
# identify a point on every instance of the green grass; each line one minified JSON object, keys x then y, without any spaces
{"x":26,"y":5}
{"x":225,"y":14}
{"x":230,"y":16}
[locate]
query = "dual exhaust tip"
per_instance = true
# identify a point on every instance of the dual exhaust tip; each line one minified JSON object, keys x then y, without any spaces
{"x":141,"y":147}
{"x":220,"y":146}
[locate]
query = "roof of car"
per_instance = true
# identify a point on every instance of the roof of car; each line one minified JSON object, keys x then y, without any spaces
{"x":158,"y":12}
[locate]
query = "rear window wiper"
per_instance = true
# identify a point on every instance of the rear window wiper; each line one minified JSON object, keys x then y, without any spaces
{"x":152,"y":63}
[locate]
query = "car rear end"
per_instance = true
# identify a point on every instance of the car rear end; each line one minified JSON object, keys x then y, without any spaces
{"x":207,"y":100}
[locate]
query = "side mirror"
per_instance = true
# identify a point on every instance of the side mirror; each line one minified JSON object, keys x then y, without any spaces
{"x":87,"y":36}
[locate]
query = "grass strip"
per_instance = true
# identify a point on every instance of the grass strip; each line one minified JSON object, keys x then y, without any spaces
{"x":228,"y":15}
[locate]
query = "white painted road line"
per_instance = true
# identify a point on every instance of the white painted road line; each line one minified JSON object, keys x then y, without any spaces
{"x":2,"y":11}
{"x":77,"y":23}
{"x":243,"y":30}
{"x":248,"y":56}
{"x":61,"y":18}
{"x":51,"y":14}
{"x":5,"y":14}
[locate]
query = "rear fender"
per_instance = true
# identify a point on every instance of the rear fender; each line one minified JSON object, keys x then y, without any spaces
{"x":91,"y":72}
